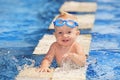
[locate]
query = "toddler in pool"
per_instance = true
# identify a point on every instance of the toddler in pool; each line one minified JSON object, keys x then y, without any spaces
{"x":66,"y":46}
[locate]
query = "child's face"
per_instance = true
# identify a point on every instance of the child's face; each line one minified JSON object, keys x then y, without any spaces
{"x":66,"y":35}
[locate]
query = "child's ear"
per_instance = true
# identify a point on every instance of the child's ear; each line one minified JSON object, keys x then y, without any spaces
{"x":53,"y":33}
{"x":78,"y":32}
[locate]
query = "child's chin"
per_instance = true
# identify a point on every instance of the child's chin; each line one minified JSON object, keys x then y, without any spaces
{"x":66,"y":45}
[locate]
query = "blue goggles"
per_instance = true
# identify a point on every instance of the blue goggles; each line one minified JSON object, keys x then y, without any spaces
{"x":60,"y":22}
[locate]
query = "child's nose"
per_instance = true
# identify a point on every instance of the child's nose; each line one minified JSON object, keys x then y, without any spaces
{"x":65,"y":35}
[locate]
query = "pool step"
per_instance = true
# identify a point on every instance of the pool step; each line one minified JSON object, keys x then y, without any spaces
{"x":47,"y":40}
{"x":72,"y":6}
{"x":85,"y":21}
{"x":32,"y":74}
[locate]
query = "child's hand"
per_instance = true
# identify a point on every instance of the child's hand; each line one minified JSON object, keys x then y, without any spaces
{"x":68,"y":56}
{"x":43,"y":69}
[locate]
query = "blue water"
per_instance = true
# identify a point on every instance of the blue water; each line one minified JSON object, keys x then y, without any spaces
{"x":105,"y":46}
{"x":23,"y":23}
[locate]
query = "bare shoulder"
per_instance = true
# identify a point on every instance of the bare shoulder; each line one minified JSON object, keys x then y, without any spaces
{"x":53,"y":44}
{"x":53,"y":47}
{"x":51,"y":50}
{"x":78,"y":47}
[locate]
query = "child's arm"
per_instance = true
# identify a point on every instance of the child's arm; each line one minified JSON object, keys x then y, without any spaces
{"x":79,"y":57}
{"x":45,"y":64}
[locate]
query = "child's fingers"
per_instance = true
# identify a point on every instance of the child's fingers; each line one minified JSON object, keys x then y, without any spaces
{"x":49,"y":70}
{"x":43,"y":70}
{"x":39,"y":70}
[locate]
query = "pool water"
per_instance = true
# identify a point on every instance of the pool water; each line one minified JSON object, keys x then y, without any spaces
{"x":23,"y":23}
{"x":105,"y":46}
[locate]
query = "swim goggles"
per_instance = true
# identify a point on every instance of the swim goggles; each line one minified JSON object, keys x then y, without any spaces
{"x":60,"y":22}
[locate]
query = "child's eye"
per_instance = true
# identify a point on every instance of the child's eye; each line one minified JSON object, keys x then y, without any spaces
{"x":59,"y":32}
{"x":69,"y":32}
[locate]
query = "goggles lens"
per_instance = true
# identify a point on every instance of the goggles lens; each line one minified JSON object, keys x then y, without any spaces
{"x":60,"y":22}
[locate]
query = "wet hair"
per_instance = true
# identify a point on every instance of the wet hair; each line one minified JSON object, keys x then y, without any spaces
{"x":63,"y":13}
{"x":66,"y":14}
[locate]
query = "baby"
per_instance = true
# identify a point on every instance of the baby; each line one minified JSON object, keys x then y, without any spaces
{"x":65,"y":47}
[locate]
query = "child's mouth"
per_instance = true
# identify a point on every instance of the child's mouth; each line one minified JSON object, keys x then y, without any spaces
{"x":65,"y":40}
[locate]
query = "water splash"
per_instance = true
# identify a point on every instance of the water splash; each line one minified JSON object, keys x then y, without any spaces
{"x":10,"y":65}
{"x":103,"y":71}
{"x":69,"y":71}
